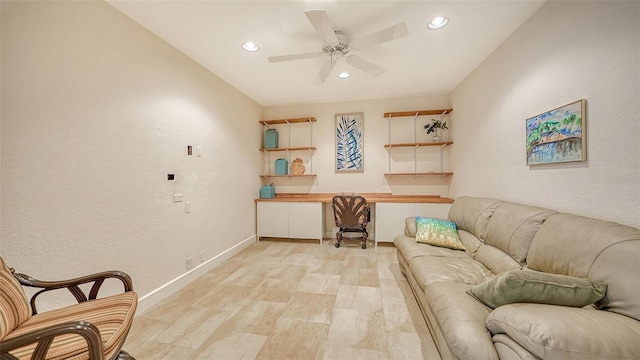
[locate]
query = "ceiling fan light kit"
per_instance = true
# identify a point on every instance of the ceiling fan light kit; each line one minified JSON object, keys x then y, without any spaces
{"x":337,"y":45}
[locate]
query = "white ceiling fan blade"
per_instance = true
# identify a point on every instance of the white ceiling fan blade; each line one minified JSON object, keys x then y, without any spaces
{"x":321,"y":23}
{"x":324,"y":73}
{"x":364,"y":65}
{"x":311,"y":55}
{"x":391,"y":33}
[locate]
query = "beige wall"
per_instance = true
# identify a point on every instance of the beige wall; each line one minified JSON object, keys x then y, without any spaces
{"x":566,"y":51}
{"x":96,"y":111}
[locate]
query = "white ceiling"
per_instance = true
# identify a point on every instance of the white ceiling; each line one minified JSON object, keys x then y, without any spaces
{"x":426,"y":62}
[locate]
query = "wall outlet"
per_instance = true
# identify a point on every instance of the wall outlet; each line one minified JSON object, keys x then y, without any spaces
{"x":189,"y":263}
{"x":201,"y":254}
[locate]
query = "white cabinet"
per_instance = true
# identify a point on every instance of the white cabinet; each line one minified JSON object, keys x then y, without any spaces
{"x":296,"y":220}
{"x":390,"y":217}
{"x":273,"y":219}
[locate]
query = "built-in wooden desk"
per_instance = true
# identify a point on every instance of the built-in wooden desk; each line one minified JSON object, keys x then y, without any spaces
{"x":300,"y":216}
{"x":371,"y":197}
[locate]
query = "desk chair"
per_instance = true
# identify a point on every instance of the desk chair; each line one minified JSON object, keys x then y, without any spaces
{"x":351,"y":214}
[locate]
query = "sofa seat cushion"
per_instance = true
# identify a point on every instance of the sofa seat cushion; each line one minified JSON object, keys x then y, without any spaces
{"x":112,"y":316}
{"x":558,"y":332}
{"x":461,"y":320}
{"x":429,"y":269}
{"x":411,"y":249}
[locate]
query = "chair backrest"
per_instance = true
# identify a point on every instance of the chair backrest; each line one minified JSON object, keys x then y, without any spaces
{"x":14,"y":307}
{"x":350,"y":211}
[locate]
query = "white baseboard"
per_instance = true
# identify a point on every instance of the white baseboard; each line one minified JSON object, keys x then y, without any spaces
{"x":164,"y":291}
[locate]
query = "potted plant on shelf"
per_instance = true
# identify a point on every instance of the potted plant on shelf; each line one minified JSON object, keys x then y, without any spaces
{"x":436,"y":126}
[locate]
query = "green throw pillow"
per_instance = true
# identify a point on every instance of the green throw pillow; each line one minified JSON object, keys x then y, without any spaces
{"x":523,"y":286}
{"x":438,"y":232}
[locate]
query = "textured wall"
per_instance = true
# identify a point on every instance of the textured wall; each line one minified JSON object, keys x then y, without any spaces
{"x":96,"y":111}
{"x":566,"y":51}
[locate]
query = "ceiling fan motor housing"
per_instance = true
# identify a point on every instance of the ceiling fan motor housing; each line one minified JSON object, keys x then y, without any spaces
{"x":342,"y":45}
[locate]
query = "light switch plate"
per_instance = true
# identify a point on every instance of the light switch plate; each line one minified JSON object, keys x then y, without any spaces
{"x":177,"y":198}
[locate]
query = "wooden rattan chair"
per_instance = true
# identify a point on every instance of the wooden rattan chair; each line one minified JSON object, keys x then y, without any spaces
{"x":351,"y":214}
{"x":94,"y":328}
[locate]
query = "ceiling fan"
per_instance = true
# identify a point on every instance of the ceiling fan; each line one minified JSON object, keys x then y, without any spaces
{"x":337,"y":45}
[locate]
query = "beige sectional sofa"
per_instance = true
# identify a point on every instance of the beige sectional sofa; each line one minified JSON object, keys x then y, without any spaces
{"x":500,"y":237}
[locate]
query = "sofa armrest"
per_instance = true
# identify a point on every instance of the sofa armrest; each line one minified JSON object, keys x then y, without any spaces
{"x":559,"y":332}
{"x":44,"y":337}
{"x":73,"y":285}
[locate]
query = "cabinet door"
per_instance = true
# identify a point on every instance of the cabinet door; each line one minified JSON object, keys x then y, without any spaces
{"x":305,"y":220}
{"x":390,"y":220}
{"x":439,"y":211}
{"x":273,"y":219}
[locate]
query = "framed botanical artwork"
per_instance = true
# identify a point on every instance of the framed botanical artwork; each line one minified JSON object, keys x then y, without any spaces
{"x":558,"y":135}
{"x":349,"y":142}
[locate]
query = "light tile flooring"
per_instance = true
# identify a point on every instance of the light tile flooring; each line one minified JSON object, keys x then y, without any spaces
{"x":290,"y":300}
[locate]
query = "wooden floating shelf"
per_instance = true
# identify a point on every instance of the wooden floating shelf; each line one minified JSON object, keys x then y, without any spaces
{"x":287,"y":121}
{"x":290,"y":149}
{"x":287,"y":176}
{"x":443,"y":143}
{"x":420,"y":174}
{"x":417,"y":112}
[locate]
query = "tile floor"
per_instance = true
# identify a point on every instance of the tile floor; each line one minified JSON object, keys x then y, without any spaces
{"x":286,"y":299}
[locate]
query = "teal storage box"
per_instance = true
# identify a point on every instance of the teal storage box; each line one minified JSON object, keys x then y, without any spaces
{"x":282,"y":167}
{"x":271,"y":139}
{"x":267,"y":192}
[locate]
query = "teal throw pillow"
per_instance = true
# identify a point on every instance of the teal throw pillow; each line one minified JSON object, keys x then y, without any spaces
{"x":438,"y":232}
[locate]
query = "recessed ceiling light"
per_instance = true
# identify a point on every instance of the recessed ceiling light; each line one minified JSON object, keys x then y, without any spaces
{"x":438,"y":23}
{"x":249,"y":46}
{"x":344,"y":75}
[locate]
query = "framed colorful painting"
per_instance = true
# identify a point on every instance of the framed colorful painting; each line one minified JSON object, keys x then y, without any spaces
{"x":558,"y":135}
{"x":349,"y":142}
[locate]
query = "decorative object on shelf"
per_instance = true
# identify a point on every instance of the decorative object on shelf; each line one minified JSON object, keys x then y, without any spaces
{"x":436,"y":126}
{"x":349,"y":142}
{"x":287,"y":151}
{"x":267,"y":192}
{"x":271,"y":139}
{"x":297,"y":168}
{"x":558,"y":135}
{"x":282,"y":167}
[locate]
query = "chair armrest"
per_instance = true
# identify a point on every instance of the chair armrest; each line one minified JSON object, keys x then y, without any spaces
{"x":44,"y":337}
{"x":73,"y":285}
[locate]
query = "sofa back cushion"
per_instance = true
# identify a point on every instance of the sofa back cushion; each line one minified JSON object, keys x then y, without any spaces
{"x":14,"y":308}
{"x":599,"y":250}
{"x":495,"y":259}
{"x":472,"y":214}
{"x":512,"y":227}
